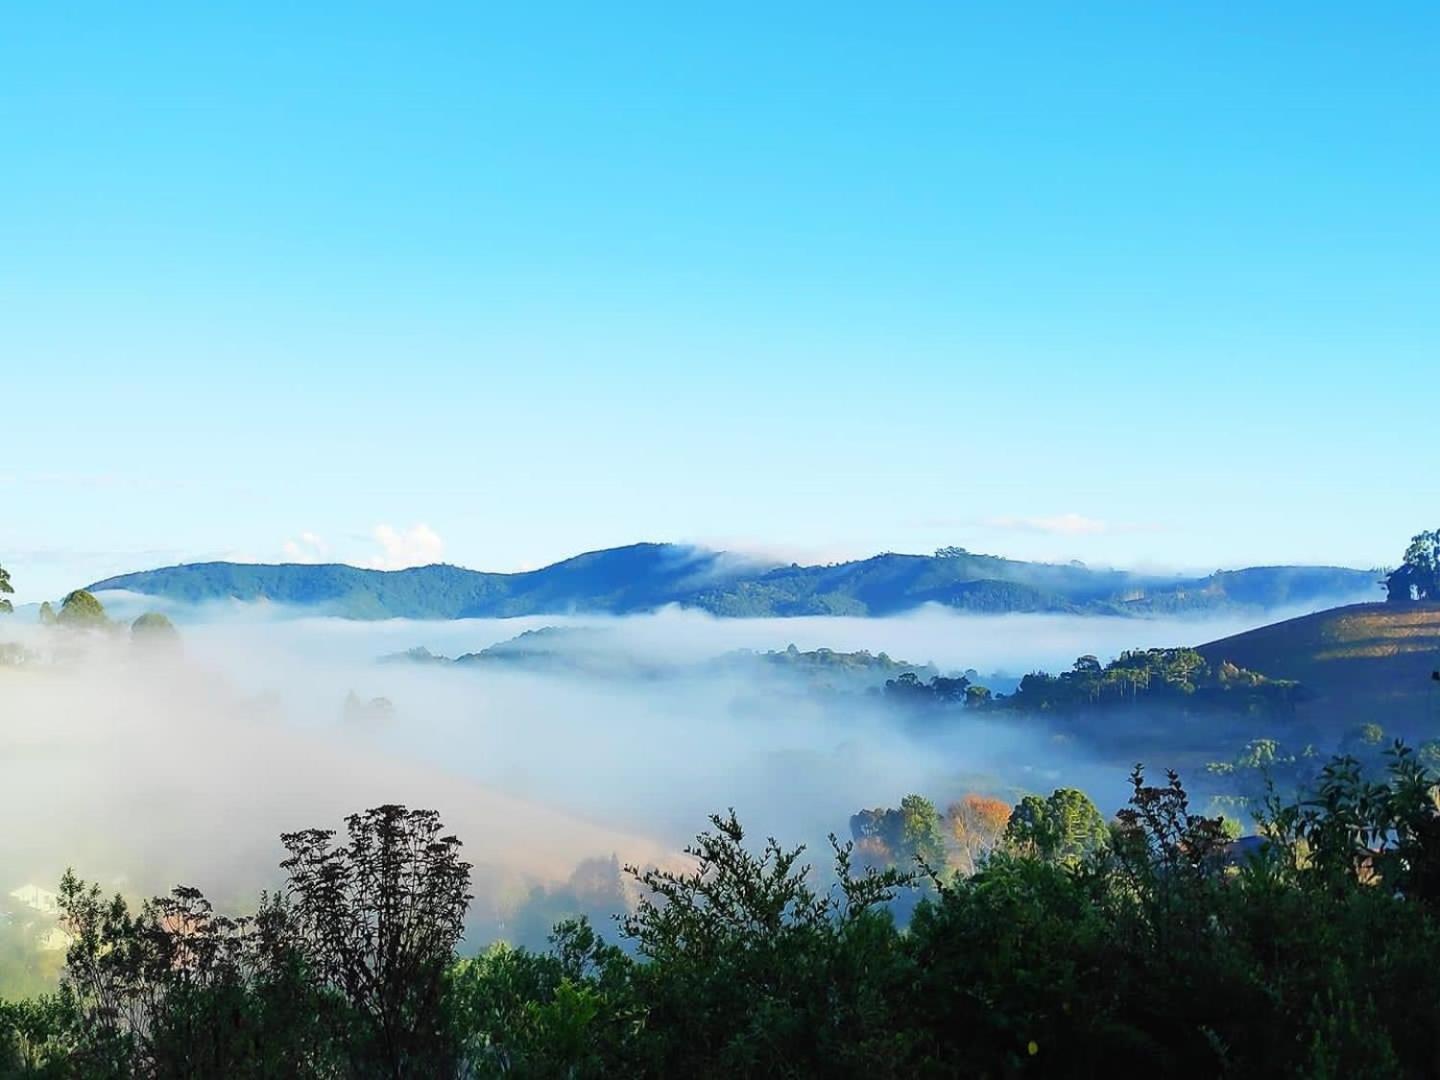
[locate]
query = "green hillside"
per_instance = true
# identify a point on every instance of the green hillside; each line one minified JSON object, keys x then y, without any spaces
{"x":1364,"y":662}
{"x":643,"y":577}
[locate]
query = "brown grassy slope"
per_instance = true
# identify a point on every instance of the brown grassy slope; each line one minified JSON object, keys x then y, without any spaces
{"x":1359,"y":663}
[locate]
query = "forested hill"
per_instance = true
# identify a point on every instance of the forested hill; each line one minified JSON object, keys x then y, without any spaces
{"x":643,"y":577}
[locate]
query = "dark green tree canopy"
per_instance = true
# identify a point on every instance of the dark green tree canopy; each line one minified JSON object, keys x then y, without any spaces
{"x":1064,"y":828}
{"x":5,"y":588}
{"x":1418,"y":575}
{"x":1311,"y":950}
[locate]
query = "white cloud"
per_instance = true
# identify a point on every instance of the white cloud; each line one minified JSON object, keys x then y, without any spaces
{"x":307,"y":548}
{"x":418,"y":545}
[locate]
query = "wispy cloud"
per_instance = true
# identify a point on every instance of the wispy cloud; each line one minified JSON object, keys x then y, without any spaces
{"x":418,"y":545}
{"x":766,"y":553}
{"x":306,"y":548}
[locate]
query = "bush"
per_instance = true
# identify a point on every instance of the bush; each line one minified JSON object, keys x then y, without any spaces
{"x":1165,"y":950}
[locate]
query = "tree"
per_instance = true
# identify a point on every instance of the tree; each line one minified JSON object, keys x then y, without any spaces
{"x":922,"y":838}
{"x":80,"y":608}
{"x":379,"y":918}
{"x":1418,"y":576}
{"x":907,"y":689}
{"x":5,"y":590}
{"x":902,"y":836}
{"x":977,"y":825}
{"x":1064,"y":828}
{"x":162,"y":992}
{"x":750,"y":970}
{"x":950,"y":691}
{"x":154,"y":629}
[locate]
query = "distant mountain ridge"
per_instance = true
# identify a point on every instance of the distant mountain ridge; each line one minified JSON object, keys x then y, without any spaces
{"x":644,"y":577}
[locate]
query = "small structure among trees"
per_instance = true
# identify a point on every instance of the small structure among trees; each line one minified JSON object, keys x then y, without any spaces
{"x":1418,"y":576}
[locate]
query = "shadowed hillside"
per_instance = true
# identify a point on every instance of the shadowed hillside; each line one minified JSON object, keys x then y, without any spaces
{"x":1364,"y":662}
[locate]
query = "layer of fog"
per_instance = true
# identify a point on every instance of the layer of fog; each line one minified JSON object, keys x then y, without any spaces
{"x":148,"y":767}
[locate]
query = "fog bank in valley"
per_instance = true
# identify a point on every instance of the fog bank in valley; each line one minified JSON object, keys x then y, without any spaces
{"x":148,"y":767}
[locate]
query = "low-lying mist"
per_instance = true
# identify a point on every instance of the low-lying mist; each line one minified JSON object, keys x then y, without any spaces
{"x":145,"y":767}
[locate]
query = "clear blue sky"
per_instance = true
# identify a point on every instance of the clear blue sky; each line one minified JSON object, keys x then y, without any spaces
{"x":1138,"y":284}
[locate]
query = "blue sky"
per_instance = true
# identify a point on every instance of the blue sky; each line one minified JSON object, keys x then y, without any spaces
{"x":1138,"y":284}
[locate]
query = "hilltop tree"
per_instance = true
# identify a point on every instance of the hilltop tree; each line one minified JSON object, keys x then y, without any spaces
{"x":80,"y":608}
{"x":1418,"y":575}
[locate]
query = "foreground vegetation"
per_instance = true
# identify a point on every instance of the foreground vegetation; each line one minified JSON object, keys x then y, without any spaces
{"x":1076,"y":947}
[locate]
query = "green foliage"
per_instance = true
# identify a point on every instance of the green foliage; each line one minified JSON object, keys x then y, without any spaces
{"x":6,"y":589}
{"x":644,"y":577}
{"x":153,"y":626}
{"x":81,"y":609}
{"x":1262,"y":768}
{"x":565,"y":1012}
{"x":1420,"y":570}
{"x":922,"y":833}
{"x":377,"y":919}
{"x":38,"y":1037}
{"x":839,"y":668}
{"x":1064,"y":828}
{"x":345,"y":974}
{"x":47,"y":614}
{"x":907,"y":690}
{"x":909,"y":836}
{"x":1174,"y":677}
{"x":751,"y":971}
{"x":1163,"y":952}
